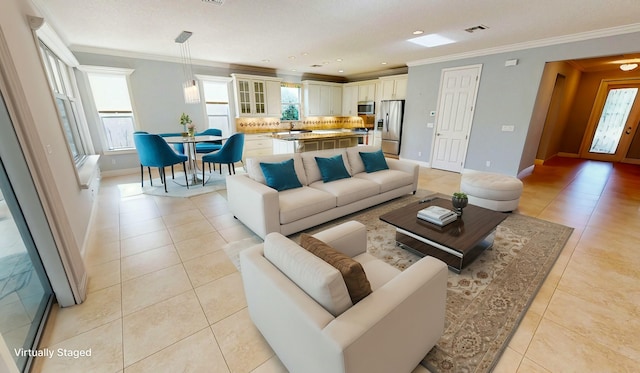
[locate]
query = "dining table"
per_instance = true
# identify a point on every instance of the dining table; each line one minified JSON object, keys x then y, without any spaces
{"x":189,"y":143}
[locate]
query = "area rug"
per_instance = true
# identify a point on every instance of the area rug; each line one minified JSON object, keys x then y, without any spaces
{"x":487,"y":300}
{"x":176,"y":187}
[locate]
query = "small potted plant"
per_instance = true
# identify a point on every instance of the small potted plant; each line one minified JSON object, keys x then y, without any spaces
{"x":459,"y":201}
{"x":187,"y":125}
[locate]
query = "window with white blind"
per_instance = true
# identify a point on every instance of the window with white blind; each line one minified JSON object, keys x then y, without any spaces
{"x":110,"y":90}
{"x":64,"y":90}
{"x":216,"y":96}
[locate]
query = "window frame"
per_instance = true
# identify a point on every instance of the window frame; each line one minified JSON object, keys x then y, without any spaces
{"x":102,"y":133}
{"x":298,"y":105}
{"x":64,"y":87}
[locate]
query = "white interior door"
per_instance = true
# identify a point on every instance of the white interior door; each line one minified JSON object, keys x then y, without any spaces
{"x":456,"y":102}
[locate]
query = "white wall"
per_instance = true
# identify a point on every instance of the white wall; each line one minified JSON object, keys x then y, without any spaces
{"x":506,"y":95}
{"x":73,"y":205}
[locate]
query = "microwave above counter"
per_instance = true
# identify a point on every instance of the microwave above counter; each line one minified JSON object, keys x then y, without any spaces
{"x":366,"y":107}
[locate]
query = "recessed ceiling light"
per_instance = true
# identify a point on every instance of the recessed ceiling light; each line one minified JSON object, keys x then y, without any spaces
{"x":339,"y":60}
{"x":325,"y":62}
{"x":431,"y":40}
{"x":340,"y":71}
{"x":292,"y":57}
{"x":418,"y":32}
{"x":383,"y":63}
{"x":294,"y":70}
{"x":266,"y":60}
{"x":305,"y":53}
{"x":628,"y":66}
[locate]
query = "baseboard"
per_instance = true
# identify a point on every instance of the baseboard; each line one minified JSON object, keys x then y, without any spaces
{"x":121,"y":172}
{"x":631,"y":160}
{"x":568,"y":155}
{"x":419,"y":163}
{"x":527,"y":171}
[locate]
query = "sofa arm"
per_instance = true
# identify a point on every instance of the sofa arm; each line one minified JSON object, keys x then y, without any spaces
{"x":350,"y":238}
{"x":255,"y":204}
{"x":396,"y":324}
{"x":408,"y":167}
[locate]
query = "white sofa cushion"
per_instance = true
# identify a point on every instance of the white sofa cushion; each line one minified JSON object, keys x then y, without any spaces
{"x":254,"y":171}
{"x":299,"y":203}
{"x":348,"y":190}
{"x":314,"y":276}
{"x":311,"y":167}
{"x":355,"y":161}
{"x":387,"y":179}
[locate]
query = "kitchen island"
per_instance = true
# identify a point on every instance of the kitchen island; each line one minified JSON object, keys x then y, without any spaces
{"x":305,"y":141}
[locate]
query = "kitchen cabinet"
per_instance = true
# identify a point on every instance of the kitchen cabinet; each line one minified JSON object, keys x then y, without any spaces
{"x":257,"y":145}
{"x":257,"y":96}
{"x":350,"y":100}
{"x":322,"y":98}
{"x":394,"y":87}
{"x":367,"y":91}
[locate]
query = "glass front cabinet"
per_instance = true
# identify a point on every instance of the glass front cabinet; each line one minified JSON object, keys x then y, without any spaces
{"x":254,"y":95}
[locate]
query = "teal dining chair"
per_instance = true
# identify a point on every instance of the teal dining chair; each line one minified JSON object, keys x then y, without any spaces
{"x":209,"y":146}
{"x":230,"y":153}
{"x":153,"y":151}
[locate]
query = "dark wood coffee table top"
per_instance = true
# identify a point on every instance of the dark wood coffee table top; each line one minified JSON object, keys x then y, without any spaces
{"x":462,"y":235}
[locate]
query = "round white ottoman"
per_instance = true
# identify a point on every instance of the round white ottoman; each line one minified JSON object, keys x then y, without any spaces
{"x":492,"y":191}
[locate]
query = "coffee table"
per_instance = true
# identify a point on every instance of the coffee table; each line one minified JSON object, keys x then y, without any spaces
{"x":457,"y":243}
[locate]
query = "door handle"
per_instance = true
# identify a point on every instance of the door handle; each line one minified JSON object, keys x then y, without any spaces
{"x":387,"y":122}
{"x":438,"y":134}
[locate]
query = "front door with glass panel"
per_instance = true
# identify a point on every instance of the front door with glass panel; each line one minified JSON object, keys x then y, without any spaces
{"x":613,"y":122}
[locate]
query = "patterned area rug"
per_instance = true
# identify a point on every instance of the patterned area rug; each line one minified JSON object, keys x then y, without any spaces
{"x":487,"y":300}
{"x":176,"y":187}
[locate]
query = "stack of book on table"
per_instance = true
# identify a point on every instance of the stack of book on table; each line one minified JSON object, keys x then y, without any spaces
{"x":437,"y":215}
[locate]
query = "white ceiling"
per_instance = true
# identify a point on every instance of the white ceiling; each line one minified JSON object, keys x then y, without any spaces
{"x":293,"y":34}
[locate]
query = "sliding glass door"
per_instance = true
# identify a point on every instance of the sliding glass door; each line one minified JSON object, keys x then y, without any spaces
{"x":25,"y":291}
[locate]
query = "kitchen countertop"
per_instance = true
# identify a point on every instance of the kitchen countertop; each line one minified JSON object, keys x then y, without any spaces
{"x":314,"y":135}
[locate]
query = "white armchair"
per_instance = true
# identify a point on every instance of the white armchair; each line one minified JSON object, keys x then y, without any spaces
{"x":390,"y":330}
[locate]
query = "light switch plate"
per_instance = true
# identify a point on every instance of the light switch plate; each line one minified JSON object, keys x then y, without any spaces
{"x":509,"y":128}
{"x":429,"y":125}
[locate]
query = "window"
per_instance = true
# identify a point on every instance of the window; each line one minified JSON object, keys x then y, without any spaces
{"x":110,"y":90}
{"x":290,"y":94}
{"x":216,"y":96}
{"x":60,"y":77}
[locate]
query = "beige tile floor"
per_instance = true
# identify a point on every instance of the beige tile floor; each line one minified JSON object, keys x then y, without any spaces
{"x":163,"y":296}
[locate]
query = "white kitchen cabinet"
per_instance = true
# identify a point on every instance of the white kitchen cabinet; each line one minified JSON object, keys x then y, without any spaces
{"x":322,"y":98}
{"x":257,"y":145}
{"x":394,"y":87}
{"x":274,"y":98}
{"x":367,"y":91}
{"x":349,"y":100}
{"x":257,"y":96}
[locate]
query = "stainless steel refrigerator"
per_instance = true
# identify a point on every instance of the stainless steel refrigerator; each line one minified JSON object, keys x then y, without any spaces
{"x":390,"y":125}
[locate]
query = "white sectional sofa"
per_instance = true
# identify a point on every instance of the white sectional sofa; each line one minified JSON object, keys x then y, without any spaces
{"x":264,"y":209}
{"x":296,"y":300}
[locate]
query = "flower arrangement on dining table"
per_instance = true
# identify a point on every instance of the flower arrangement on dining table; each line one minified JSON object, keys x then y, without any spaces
{"x":187,"y":123}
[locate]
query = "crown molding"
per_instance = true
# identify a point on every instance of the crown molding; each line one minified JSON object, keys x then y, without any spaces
{"x":144,"y":56}
{"x":613,"y":31}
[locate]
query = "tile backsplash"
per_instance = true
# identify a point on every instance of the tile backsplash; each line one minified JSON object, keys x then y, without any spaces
{"x":256,"y":125}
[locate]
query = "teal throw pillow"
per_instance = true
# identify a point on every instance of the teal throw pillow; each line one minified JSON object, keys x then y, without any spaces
{"x":332,"y":168}
{"x":280,"y":176}
{"x":374,"y":161}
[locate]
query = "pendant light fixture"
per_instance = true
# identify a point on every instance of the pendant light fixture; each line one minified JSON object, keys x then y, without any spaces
{"x":190,"y":86}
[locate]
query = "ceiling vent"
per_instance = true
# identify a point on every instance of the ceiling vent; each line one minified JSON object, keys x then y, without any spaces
{"x":316,"y":65}
{"x":476,"y":28}
{"x":216,"y":2}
